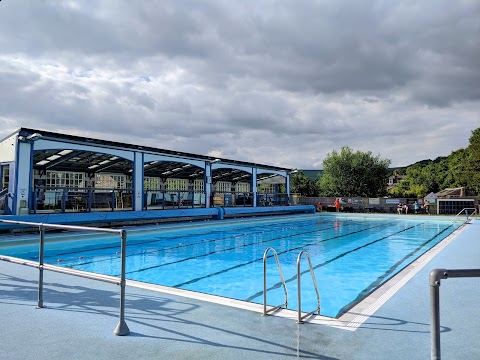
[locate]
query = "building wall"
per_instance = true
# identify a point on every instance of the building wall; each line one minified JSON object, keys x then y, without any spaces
{"x":7,"y":149}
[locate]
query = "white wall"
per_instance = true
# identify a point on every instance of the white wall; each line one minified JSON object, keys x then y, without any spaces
{"x":7,"y":149}
{"x":22,"y":186}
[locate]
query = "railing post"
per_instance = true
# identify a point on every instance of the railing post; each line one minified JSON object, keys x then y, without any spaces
{"x":314,"y":280}
{"x":122,"y":328}
{"x":33,"y":204}
{"x":113,"y":200}
{"x":89,"y":200}
{"x":435,"y":276}
{"x":265,"y":255}
{"x":299,"y":291}
{"x":40,"y":266}
{"x":265,"y":281}
{"x":64,"y":199}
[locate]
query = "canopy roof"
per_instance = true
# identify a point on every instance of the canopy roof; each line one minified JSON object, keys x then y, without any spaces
{"x":91,"y":161}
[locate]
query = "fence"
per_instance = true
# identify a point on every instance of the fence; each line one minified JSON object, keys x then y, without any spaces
{"x":378,"y":205}
{"x":122,"y":328}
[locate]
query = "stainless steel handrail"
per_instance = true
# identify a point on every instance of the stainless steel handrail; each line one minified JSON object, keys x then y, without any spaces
{"x":312,"y":272}
{"x":466,"y":212}
{"x":436,"y":275}
{"x":265,"y":255}
{"x":121,"y":328}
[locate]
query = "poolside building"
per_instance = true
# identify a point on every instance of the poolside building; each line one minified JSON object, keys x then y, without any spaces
{"x":46,"y":172}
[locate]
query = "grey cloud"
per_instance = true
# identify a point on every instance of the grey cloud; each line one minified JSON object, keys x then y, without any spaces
{"x":275,"y":82}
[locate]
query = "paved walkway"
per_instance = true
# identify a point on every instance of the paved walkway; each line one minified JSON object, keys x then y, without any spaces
{"x":81,"y":315}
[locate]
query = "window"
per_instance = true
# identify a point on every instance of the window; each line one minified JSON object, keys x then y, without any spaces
{"x":64,"y":179}
{"x":198,"y":185}
{"x":243,"y":187}
{"x":5,"y":177}
{"x":266,"y":188}
{"x":151,"y":183}
{"x":177,"y":184}
{"x":112,"y":181}
{"x":223,"y":186}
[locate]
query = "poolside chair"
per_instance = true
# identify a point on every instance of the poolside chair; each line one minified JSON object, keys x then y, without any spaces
{"x":153,"y":200}
{"x":188,"y":201}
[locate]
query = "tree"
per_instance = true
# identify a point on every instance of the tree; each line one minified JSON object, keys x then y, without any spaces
{"x":302,"y":184}
{"x":460,"y":169}
{"x":406,"y":189}
{"x":472,"y":168}
{"x":348,"y":173}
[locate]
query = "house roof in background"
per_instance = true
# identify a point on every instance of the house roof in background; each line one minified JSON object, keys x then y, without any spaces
{"x":312,"y":174}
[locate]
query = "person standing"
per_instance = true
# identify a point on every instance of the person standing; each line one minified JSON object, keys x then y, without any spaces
{"x":337,"y":205}
{"x":416,"y":207}
{"x":426,"y":206}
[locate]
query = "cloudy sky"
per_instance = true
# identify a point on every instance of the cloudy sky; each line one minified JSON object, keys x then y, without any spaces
{"x":273,"y":82}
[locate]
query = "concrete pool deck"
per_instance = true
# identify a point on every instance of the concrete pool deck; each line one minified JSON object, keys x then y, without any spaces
{"x":81,"y":314}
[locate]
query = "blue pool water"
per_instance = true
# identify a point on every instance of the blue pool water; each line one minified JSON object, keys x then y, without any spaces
{"x":351,"y":255}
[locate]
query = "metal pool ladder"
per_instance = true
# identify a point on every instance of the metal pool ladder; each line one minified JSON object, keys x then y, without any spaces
{"x":317,"y":310}
{"x":265,"y":254}
{"x":465,"y":210}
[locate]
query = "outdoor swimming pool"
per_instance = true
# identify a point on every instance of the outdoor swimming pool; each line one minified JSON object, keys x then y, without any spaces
{"x":351,"y":255}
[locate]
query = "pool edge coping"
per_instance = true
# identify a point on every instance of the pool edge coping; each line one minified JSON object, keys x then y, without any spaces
{"x":350,"y":320}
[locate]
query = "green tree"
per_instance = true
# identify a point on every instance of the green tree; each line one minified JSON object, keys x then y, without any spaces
{"x":302,"y":184}
{"x":460,"y":169}
{"x":407,"y":189}
{"x":472,"y":168}
{"x":349,"y":173}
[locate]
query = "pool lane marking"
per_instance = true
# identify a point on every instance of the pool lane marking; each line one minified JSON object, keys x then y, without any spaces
{"x":375,"y":284}
{"x":251,"y":244}
{"x":279,"y":253}
{"x":278,"y":285}
{"x":170,"y":238}
{"x":363,"y":312}
{"x":191,"y":244}
{"x":208,"y":241}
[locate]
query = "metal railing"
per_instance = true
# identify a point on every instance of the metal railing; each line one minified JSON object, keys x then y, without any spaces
{"x":275,"y":308}
{"x":232,"y":198}
{"x":466,"y":213}
{"x":173,"y":199}
{"x":312,"y":272}
{"x":435,"y":276}
{"x":3,"y":199}
{"x":78,"y":199}
{"x":121,"y":328}
{"x":272,"y":199}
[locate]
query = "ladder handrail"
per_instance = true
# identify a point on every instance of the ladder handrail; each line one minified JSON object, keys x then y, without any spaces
{"x":461,"y":211}
{"x":265,"y":254}
{"x":312,"y":272}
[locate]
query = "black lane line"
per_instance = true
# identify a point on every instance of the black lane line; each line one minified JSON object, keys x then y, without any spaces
{"x":209,"y":233}
{"x":277,"y":285}
{"x":279,"y":253}
{"x":158,"y":240}
{"x":370,"y":288}
{"x":237,"y":247}
{"x":192,"y":244}
{"x":135,"y":244}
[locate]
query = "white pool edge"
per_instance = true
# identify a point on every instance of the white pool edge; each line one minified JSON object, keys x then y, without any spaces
{"x":351,"y":320}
